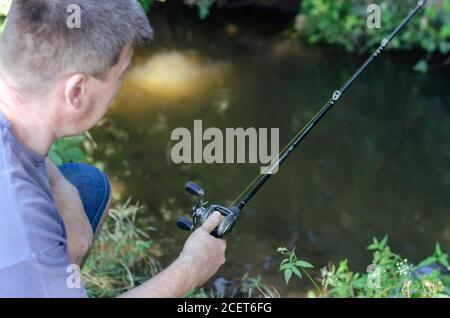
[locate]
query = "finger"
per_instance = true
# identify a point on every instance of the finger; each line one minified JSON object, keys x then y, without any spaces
{"x":212,"y":222}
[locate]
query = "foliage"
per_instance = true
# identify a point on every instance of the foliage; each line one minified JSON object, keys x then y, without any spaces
{"x":343,"y":23}
{"x":438,"y":257}
{"x":71,"y":149}
{"x":121,"y":256}
{"x":146,"y":4}
{"x":397,"y":276}
{"x":291,"y":264}
{"x":203,"y":6}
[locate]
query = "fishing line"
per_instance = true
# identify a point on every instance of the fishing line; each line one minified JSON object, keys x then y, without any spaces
{"x":202,"y":210}
{"x":257,"y":183}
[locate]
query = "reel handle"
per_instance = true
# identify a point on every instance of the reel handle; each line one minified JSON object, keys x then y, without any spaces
{"x":194,"y":189}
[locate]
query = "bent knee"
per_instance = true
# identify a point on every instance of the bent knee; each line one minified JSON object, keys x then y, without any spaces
{"x":94,"y":188}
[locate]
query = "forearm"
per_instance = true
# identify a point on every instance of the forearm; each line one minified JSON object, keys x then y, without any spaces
{"x":175,"y":281}
{"x":70,"y":207}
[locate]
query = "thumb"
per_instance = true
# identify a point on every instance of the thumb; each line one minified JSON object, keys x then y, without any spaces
{"x":212,"y":222}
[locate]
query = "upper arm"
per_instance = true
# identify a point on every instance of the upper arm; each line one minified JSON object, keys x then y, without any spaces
{"x":33,"y":246}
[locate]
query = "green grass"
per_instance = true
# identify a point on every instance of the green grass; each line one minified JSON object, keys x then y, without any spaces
{"x":121,"y":257}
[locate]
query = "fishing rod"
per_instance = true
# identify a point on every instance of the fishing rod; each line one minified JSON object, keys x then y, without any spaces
{"x":202,"y":210}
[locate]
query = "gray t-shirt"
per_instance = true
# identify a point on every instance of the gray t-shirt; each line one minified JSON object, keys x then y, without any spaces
{"x":33,"y":245}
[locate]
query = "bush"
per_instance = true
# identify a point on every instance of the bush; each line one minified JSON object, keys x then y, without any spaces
{"x":343,"y":23}
{"x":389,"y":275}
{"x":203,"y":6}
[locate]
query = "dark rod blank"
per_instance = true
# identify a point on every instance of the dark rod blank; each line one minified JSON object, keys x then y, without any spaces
{"x":253,"y":188}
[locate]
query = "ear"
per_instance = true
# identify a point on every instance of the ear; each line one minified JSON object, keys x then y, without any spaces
{"x":75,"y":90}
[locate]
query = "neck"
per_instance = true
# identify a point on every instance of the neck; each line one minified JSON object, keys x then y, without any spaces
{"x":28,"y":120}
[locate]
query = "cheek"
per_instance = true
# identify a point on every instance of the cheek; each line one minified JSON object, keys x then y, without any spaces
{"x":104,"y":99}
{"x":107,"y":96}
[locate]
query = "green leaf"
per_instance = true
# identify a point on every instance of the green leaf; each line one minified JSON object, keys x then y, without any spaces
{"x":446,"y":5}
{"x":57,"y":160}
{"x":286,"y":266}
{"x":443,"y":260}
{"x":428,"y":261}
{"x":74,"y":140}
{"x":304,"y":264}
{"x":437,"y":249}
{"x":360,"y":282}
{"x":444,"y":47}
{"x":204,"y":7}
{"x":146,"y":4}
{"x":296,"y":271}
{"x":77,"y":154}
{"x":384,"y":241}
{"x":444,"y":33}
{"x":287,"y":275}
{"x":421,"y":66}
{"x":284,"y":261}
{"x":372,"y":247}
{"x":2,"y":24}
{"x":73,"y":154}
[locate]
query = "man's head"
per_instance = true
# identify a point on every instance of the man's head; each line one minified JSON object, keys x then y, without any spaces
{"x":76,"y":70}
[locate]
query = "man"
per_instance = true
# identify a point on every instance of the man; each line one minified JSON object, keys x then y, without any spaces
{"x":56,"y":81}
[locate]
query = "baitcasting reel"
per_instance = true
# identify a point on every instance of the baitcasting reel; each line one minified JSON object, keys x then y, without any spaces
{"x":202,"y":211}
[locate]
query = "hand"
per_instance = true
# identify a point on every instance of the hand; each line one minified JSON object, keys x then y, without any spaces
{"x":203,"y":251}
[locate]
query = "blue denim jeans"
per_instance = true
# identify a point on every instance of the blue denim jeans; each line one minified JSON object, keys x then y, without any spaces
{"x":94,"y":188}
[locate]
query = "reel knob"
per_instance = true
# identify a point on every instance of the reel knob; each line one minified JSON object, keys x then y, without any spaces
{"x":185,"y":224}
{"x":194,"y":188}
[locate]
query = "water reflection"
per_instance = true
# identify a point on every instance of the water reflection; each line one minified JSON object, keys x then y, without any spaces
{"x":171,"y":75}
